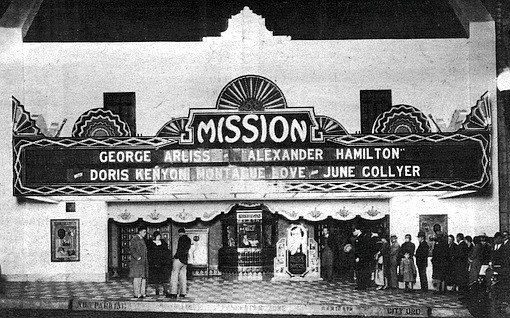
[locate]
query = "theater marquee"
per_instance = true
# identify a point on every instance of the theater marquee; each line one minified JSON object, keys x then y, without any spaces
{"x":291,"y":148}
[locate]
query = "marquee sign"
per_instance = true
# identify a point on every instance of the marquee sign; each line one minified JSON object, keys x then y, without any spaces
{"x":288,"y":147}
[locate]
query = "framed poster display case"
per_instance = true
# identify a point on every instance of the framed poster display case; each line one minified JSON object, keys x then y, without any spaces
{"x":65,"y":240}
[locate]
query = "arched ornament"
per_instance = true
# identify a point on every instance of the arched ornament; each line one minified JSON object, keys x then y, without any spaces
{"x":99,"y":122}
{"x":330,"y":127}
{"x":22,"y":122}
{"x":480,"y":115}
{"x":174,"y":128}
{"x":251,"y":93}
{"x":401,"y":119}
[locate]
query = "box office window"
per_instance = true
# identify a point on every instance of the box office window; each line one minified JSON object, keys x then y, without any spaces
{"x":373,"y":103}
{"x":124,"y":105}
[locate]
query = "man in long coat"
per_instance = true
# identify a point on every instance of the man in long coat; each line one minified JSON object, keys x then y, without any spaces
{"x":363,"y":256}
{"x":139,"y":265}
{"x":461,"y":264}
{"x":394,"y":261}
{"x":422,"y":258}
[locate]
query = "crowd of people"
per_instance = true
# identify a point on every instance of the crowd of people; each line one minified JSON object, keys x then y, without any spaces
{"x":151,"y":260}
{"x":457,"y":261}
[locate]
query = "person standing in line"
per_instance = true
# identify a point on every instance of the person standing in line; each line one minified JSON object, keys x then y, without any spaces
{"x":363,"y":258}
{"x":327,"y":256}
{"x":495,"y":261}
{"x":422,"y":257}
{"x":407,"y":247}
{"x":452,"y":251}
{"x":504,"y":270}
{"x":461,"y":263}
{"x":139,"y":265}
{"x":439,"y":262}
{"x":480,"y":255}
{"x":394,"y":252}
{"x":178,"y":282}
{"x":408,"y":272}
{"x":382,"y":271}
{"x":469,"y":242}
{"x":159,"y":262}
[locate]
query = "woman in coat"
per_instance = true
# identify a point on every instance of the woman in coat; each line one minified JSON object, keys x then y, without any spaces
{"x":160,"y":260}
{"x":440,"y":263}
{"x":452,"y":252}
{"x":327,"y":256}
{"x":382,"y":271}
{"x":139,"y":266}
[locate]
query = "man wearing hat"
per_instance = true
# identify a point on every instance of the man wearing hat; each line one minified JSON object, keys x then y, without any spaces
{"x":422,"y":256}
{"x":363,"y":258}
{"x":394,"y":262}
{"x":479,"y":256}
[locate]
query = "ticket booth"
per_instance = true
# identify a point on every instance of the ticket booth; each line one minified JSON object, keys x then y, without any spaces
{"x":248,"y":243}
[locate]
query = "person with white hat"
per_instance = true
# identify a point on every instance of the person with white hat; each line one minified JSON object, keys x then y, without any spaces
{"x":480,"y":255}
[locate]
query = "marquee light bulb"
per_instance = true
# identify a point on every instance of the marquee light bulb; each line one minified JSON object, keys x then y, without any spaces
{"x":503,"y":80}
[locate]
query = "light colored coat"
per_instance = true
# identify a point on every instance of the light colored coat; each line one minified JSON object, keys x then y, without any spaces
{"x":408,"y":270}
{"x":139,"y":266}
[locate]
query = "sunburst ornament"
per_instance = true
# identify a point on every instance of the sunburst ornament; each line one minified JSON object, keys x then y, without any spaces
{"x":99,"y":122}
{"x":174,"y":128}
{"x":330,"y":127}
{"x":402,"y":119}
{"x":22,"y":122}
{"x":251,"y":93}
{"x":480,"y":115}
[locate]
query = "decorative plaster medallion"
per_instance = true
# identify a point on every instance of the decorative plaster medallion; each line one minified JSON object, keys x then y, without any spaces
{"x":401,"y":119}
{"x":315,"y":213}
{"x":99,"y":122}
{"x":125,"y":215}
{"x":185,"y":215}
{"x":372,"y":212}
{"x":343,"y":212}
{"x":155,"y":215}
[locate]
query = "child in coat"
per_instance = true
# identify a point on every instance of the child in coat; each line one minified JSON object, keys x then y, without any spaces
{"x":408,"y":272}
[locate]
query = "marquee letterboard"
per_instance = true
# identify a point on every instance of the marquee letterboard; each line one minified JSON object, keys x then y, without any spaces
{"x":283,"y":147}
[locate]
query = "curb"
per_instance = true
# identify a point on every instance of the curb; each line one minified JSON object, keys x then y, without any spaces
{"x":121,"y":305}
{"x":11,"y":303}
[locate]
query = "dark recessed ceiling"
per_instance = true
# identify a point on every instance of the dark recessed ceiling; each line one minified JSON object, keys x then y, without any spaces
{"x":3,"y":6}
{"x":191,"y":20}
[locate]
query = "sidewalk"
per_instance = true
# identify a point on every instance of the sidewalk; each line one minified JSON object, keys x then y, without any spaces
{"x":220,"y":296}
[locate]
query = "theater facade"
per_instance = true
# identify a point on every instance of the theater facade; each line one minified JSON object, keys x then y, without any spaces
{"x":252,"y":142}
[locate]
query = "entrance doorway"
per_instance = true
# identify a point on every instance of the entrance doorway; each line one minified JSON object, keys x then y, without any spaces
{"x":119,"y":235}
{"x":341,"y":236}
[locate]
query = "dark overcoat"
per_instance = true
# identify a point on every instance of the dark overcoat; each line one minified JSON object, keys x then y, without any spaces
{"x":139,"y":266}
{"x":160,"y":262}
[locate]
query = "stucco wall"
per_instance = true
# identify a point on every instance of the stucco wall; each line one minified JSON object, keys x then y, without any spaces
{"x":63,"y":80}
{"x":26,"y":254}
